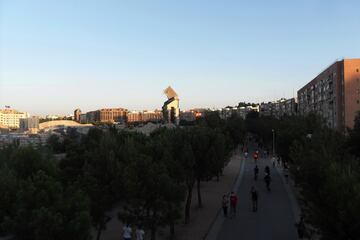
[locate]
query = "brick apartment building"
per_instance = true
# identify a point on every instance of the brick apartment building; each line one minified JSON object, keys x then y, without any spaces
{"x":144,"y":116}
{"x":105,"y":115}
{"x":334,"y":94}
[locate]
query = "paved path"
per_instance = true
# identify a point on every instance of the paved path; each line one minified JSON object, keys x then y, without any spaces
{"x":275,"y":217}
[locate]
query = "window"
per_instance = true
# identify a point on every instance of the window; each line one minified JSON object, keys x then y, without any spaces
{"x":357,"y":70}
{"x":358,"y":101}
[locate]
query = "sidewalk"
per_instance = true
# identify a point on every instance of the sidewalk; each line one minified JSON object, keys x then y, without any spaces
{"x":212,"y":192}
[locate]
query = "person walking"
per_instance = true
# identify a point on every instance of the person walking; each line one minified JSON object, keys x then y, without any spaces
{"x":286,"y":173}
{"x":267,"y":179}
{"x":256,"y":157}
{"x":301,"y":228}
{"x":278,"y":161}
{"x":225,"y":204}
{"x":233,"y":203}
{"x":254,"y":198}
{"x":140,"y":233}
{"x":256,"y":172}
{"x":273,"y":161}
{"x":127,"y":232}
{"x":267,"y":170}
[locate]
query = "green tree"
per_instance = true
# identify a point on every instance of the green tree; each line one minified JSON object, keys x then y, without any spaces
{"x":354,"y":137}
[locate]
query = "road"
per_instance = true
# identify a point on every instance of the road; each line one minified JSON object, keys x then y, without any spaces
{"x":274,"y":219}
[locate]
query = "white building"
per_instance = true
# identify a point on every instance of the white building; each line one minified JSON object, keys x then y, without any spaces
{"x":11,"y":118}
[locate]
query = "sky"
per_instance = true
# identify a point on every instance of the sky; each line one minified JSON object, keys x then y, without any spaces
{"x":56,"y":56}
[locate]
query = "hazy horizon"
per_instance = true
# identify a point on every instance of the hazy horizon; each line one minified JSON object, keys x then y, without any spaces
{"x":59,"y":56}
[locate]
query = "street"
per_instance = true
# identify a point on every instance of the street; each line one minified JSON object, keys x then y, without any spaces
{"x":274,"y":219}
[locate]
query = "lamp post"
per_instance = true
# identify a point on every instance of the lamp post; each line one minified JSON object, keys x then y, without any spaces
{"x":273,"y":134}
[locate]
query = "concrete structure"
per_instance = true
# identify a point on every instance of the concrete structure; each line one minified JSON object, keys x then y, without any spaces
{"x":11,"y":118}
{"x":61,"y":123}
{"x":35,"y":140}
{"x":334,"y":94}
{"x":29,"y":124}
{"x":171,"y":110}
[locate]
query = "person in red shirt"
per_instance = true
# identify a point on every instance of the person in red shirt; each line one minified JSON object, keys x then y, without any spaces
{"x":233,"y":203}
{"x":255,"y":156}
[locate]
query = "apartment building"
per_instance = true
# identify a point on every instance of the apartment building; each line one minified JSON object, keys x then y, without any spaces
{"x":280,"y":108}
{"x":10,"y":118}
{"x":104,"y":115}
{"x":334,"y":94}
{"x":144,"y":116}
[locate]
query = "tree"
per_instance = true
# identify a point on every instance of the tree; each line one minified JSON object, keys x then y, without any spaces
{"x":354,"y":137}
{"x":329,"y":179}
{"x":188,"y":162}
{"x":37,"y":205}
{"x":55,"y":144}
{"x":8,"y":187}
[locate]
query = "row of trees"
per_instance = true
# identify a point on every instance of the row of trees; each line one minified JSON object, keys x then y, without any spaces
{"x":151,"y":178}
{"x":325,"y":166}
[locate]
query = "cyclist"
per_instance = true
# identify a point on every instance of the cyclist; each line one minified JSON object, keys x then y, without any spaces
{"x":267,"y":170}
{"x":267,"y":179}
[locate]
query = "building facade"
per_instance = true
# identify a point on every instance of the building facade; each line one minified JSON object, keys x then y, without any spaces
{"x":30,"y":124}
{"x":334,"y":94}
{"x":144,"y":116}
{"x":239,"y":111}
{"x":11,"y":118}
{"x":280,"y":108}
{"x":104,"y":115}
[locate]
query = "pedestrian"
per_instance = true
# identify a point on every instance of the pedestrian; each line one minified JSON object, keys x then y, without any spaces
{"x":127,"y":232}
{"x":256,"y":172}
{"x":255,"y":156}
{"x":225,"y":204}
{"x":246,"y":155}
{"x":273,"y":161}
{"x":286,"y":173}
{"x":301,"y":228}
{"x":140,"y":233}
{"x":254,"y":198}
{"x":267,"y":170}
{"x":233,"y":203}
{"x":267,"y":179}
{"x":278,"y":161}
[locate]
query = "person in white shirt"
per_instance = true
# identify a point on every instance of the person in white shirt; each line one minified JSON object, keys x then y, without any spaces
{"x":140,"y":233}
{"x":127,"y":232}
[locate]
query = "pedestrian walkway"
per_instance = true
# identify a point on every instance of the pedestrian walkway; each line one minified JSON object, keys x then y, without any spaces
{"x":274,"y":219}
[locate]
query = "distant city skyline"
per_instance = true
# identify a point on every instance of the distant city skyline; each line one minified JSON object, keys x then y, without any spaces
{"x":59,"y":56}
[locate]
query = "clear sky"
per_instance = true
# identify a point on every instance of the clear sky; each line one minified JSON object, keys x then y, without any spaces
{"x":56,"y":56}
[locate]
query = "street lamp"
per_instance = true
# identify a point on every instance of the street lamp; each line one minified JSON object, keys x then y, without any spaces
{"x":273,"y":133}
